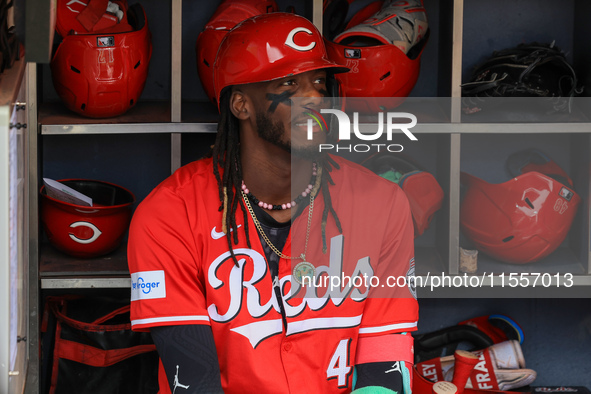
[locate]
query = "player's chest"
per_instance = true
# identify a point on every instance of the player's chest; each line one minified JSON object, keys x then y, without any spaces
{"x":244,"y":286}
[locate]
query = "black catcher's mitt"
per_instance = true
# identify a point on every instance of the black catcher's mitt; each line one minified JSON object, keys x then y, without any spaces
{"x":527,"y":70}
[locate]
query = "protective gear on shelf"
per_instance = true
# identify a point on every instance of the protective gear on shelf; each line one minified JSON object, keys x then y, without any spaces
{"x":424,"y":193}
{"x":524,"y":219}
{"x":528,"y":70}
{"x":102,"y":74}
{"x":500,"y":367}
{"x":472,"y":334}
{"x":383,"y":50}
{"x":84,"y":231}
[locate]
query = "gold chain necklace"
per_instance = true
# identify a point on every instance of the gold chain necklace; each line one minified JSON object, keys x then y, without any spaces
{"x":304,"y":268}
{"x":268,"y":241}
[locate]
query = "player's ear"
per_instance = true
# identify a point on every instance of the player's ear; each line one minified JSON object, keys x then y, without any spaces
{"x":239,"y":105}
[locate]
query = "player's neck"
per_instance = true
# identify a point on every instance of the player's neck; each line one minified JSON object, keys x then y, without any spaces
{"x":272,"y":177}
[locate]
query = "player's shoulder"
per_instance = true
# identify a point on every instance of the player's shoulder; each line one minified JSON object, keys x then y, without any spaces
{"x":198,"y":174}
{"x":187,"y":184}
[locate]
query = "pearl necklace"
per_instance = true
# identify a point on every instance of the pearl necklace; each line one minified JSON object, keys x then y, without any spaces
{"x":288,"y":205}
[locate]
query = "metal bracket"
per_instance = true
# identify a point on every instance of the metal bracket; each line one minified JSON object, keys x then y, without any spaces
{"x":18,"y":126}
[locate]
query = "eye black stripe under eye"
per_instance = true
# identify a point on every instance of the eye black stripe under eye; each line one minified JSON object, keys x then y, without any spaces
{"x":276,"y":99}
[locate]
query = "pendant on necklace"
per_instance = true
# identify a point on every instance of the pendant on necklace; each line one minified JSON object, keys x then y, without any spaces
{"x":302,"y":270}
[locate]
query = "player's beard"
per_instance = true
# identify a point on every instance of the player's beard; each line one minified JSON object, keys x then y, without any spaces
{"x":274,"y":132}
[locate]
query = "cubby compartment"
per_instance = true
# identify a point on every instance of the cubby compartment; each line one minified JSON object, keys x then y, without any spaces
{"x":486,"y":28}
{"x":563,"y":24}
{"x":104,"y":158}
{"x":485,"y":155}
{"x":154,"y":103}
{"x":555,"y":331}
{"x":430,"y":153}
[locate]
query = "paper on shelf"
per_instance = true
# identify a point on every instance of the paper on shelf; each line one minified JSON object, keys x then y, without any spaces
{"x":61,"y":192}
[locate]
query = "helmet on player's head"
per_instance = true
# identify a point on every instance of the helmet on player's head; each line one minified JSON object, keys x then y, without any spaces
{"x":102,"y":74}
{"x":424,"y":194}
{"x":268,"y":47}
{"x":226,"y":16}
{"x":383,"y":52}
{"x":84,"y":231}
{"x":521,"y":220}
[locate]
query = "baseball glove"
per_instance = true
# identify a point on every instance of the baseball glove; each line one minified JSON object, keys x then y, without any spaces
{"x":527,"y":70}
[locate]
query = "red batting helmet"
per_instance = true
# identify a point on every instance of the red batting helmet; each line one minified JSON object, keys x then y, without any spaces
{"x":268,"y":47}
{"x":424,"y":194}
{"x":84,"y":231}
{"x":103,"y":74}
{"x":383,"y":52}
{"x":521,"y":220}
{"x":227,"y":15}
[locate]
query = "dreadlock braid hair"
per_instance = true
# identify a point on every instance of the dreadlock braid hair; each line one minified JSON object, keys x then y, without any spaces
{"x":226,"y":155}
{"x":328,"y":163}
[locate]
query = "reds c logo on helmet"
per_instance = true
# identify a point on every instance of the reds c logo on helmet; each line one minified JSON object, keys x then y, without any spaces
{"x":291,"y":43}
{"x":95,"y":232}
{"x":268,"y":47}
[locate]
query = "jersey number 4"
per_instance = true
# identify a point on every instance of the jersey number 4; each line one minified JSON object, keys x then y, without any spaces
{"x":339,"y":366}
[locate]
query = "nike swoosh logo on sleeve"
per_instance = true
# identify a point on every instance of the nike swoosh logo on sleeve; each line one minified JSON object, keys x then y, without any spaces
{"x":218,"y":234}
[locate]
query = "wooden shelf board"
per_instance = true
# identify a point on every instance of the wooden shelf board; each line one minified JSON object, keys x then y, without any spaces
{"x":56,"y":113}
{"x":562,"y":260}
{"x":53,"y":263}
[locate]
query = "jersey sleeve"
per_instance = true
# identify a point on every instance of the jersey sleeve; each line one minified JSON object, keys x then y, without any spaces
{"x":392,"y":306}
{"x":166,"y":282}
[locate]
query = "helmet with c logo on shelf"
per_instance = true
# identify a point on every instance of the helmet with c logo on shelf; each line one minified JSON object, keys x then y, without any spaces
{"x":87,"y":231}
{"x":524,"y":219}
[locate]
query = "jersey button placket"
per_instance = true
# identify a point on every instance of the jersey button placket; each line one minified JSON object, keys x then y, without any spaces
{"x":287,"y":346}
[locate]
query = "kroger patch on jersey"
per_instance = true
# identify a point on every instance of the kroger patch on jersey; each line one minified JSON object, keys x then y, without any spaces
{"x":148,"y":285}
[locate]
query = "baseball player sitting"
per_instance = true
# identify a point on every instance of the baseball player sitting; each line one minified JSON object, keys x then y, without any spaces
{"x":235,"y":258}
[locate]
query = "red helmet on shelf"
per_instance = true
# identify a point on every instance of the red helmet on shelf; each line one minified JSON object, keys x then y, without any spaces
{"x":226,"y":16}
{"x":268,"y":47}
{"x":519,"y":221}
{"x":382,"y":47}
{"x":424,"y":194}
{"x":103,"y":74}
{"x":84,"y":231}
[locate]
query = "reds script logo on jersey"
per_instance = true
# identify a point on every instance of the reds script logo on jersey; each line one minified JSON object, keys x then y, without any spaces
{"x":258,"y":307}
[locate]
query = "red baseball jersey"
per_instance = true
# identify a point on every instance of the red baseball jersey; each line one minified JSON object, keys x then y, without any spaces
{"x":182,"y":273}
